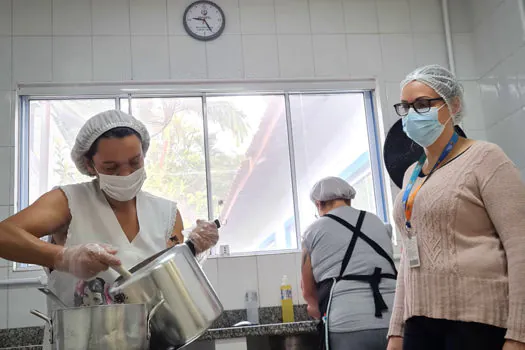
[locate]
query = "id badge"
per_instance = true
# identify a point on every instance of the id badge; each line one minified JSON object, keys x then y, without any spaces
{"x":412,"y":251}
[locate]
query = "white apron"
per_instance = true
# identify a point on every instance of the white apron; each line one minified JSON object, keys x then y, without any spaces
{"x":93,"y":221}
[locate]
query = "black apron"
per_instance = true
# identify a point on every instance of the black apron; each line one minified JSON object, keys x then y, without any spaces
{"x":325,"y":288}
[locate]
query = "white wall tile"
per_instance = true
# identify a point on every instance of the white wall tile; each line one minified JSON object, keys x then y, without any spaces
{"x":476,"y":134}
{"x":233,"y":17}
{"x":21,"y":301}
{"x":330,"y":55}
{"x":231,"y":344}
{"x":5,"y":62}
{"x":426,"y":16}
{"x":6,"y":120}
{"x":71,"y":17}
{"x":148,"y":17}
{"x":224,"y":57}
{"x":508,"y":134}
{"x":327,"y":17}
{"x":236,"y":276}
{"x":461,"y":18}
{"x":394,"y":16}
{"x":508,"y":28}
{"x":32,"y":59}
{"x":150,"y":57}
{"x":111,"y":58}
{"x":508,"y":90}
{"x":187,"y":57}
{"x":110,"y":17}
{"x":261,"y":57}
{"x":5,"y":17}
{"x":486,"y":48}
{"x":474,"y":117}
{"x":258,"y":19}
{"x":271,"y":269}
{"x":393,"y":96}
{"x":3,"y":300}
{"x":72,"y":59}
{"x":364,"y":55}
{"x":296,"y":56}
{"x":490,"y":99}
{"x":360,"y":16}
{"x":32,"y":17}
{"x":520,"y":57}
{"x":6,"y":175}
{"x":298,"y":265}
{"x":398,"y":56}
{"x":292,"y":17}
{"x":463,"y":48}
{"x":176,"y":10}
{"x":430,"y":49}
{"x":211,"y":270}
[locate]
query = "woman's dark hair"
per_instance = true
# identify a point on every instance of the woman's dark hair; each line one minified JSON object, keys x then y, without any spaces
{"x":116,"y":133}
{"x":324,"y":204}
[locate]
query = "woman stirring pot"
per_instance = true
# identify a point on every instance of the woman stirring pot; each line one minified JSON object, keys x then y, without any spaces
{"x":106,"y":222}
{"x":461,"y":215}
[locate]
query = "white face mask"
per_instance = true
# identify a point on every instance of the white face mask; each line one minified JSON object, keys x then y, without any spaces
{"x":122,"y":188}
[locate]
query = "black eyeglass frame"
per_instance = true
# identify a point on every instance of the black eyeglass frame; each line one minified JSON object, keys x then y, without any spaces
{"x":418,"y":110}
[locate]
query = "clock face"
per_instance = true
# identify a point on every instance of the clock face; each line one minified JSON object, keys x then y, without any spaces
{"x":204,"y":20}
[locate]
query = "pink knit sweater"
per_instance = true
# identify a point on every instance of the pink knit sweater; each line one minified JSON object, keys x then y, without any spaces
{"x":469,"y":218}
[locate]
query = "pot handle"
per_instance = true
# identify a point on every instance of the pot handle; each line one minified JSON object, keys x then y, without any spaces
{"x":45,"y":318}
{"x":151,"y":314}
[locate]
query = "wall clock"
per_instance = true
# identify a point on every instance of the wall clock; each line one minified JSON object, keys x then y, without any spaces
{"x":204,"y":20}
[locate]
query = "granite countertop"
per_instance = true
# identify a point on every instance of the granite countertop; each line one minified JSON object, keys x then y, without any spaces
{"x":30,"y":338}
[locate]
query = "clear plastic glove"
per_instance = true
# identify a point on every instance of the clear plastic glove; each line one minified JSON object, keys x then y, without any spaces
{"x":204,"y":236}
{"x":87,"y":260}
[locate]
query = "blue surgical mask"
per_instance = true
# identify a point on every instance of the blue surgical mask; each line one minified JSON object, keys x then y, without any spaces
{"x":425,"y":128}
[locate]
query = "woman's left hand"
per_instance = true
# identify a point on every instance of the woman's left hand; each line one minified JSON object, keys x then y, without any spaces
{"x":313,"y":311}
{"x":204,"y":236}
{"x":513,"y":345}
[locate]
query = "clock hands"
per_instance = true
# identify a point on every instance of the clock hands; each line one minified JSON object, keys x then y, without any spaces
{"x":203,"y":21}
{"x":207,"y":25}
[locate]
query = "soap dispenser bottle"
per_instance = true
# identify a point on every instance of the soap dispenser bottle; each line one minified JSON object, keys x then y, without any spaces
{"x":286,"y":300}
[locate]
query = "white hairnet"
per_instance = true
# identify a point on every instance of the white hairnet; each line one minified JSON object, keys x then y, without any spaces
{"x":331,"y":188}
{"x":443,"y":82}
{"x":99,"y":124}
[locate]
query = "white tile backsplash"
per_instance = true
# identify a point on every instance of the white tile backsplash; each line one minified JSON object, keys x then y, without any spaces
{"x":364,"y":55}
{"x":148,"y":17}
{"x":258,"y":19}
{"x":270,"y":270}
{"x":32,"y":59}
{"x":5,"y":17}
{"x":224,"y":57}
{"x":32,"y":17}
{"x":187,"y":58}
{"x":231,"y":344}
{"x":72,"y":59}
{"x":21,"y":301}
{"x":330,"y":55}
{"x":150,"y":58}
{"x":292,"y":17}
{"x":298,"y":265}
{"x":211,"y":270}
{"x":111,"y":58}
{"x":3,"y":297}
{"x":5,"y":62}
{"x":360,"y":16}
{"x":394,"y":16}
{"x":71,"y":17}
{"x":296,"y":56}
{"x":236,"y":276}
{"x":327,"y":17}
{"x":261,"y":57}
{"x":110,"y":17}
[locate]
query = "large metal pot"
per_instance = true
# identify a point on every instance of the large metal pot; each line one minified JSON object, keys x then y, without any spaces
{"x":109,"y":327}
{"x":173,"y":276}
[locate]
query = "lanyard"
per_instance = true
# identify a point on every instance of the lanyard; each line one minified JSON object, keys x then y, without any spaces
{"x":409,"y":196}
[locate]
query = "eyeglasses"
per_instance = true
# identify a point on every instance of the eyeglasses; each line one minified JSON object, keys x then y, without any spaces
{"x":421,"y":105}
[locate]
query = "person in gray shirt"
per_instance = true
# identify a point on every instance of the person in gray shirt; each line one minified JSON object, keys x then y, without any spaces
{"x":348,"y":273}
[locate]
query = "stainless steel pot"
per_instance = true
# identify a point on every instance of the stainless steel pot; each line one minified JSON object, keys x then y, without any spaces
{"x":174,"y":276}
{"x":109,"y":327}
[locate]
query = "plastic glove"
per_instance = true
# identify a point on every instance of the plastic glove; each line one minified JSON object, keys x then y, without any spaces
{"x":87,"y":260}
{"x":204,"y":236}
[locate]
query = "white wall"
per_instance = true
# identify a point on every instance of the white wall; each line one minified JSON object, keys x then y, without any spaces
{"x":121,"y":40}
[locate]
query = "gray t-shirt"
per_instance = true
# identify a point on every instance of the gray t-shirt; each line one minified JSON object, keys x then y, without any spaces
{"x":352,"y":304}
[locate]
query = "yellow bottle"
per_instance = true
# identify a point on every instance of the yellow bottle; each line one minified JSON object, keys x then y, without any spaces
{"x":286,"y":300}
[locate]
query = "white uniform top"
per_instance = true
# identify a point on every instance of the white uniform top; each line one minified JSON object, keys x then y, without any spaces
{"x":93,"y":221}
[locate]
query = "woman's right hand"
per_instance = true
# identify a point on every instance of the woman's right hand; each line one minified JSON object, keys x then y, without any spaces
{"x":87,"y":260}
{"x":395,"y":343}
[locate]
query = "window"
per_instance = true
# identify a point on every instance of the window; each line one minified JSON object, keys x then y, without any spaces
{"x":249,"y":160}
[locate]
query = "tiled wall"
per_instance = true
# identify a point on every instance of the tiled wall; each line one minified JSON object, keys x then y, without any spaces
{"x":122,"y":40}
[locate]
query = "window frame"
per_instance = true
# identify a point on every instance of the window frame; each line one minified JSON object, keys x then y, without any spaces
{"x":27,"y":93}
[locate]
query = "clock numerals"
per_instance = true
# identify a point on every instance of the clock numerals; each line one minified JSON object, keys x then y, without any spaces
{"x":204,"y":20}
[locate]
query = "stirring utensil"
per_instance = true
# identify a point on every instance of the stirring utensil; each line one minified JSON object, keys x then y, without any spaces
{"x":122,"y":271}
{"x":52,"y":296}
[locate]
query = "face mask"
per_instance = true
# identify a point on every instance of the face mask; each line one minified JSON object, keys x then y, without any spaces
{"x":122,"y":188}
{"x":425,"y":128}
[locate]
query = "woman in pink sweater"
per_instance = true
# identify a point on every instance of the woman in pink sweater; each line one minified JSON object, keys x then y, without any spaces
{"x":461,"y":214}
